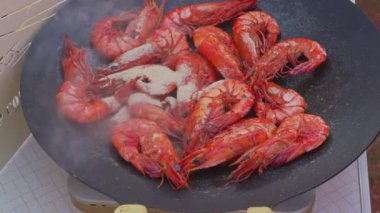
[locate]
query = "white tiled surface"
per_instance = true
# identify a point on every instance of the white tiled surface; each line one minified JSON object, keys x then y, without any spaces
{"x":32,"y":182}
{"x":340,"y":194}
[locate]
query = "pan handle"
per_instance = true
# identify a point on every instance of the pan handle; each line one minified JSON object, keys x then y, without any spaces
{"x":142,"y":209}
{"x":259,"y":210}
{"x":131,"y":208}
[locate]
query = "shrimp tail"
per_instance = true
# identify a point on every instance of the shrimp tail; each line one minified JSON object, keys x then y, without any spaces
{"x":245,"y":169}
{"x":296,"y":150}
{"x":73,"y":62}
{"x":70,"y":48}
{"x":169,"y":123}
{"x":303,"y":68}
{"x":226,"y":11}
{"x":288,"y":155}
{"x":146,"y":166}
{"x":152,"y":4}
{"x":127,"y":16}
{"x":161,"y":9}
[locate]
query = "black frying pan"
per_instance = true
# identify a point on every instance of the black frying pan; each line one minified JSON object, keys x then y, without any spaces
{"x":345,"y":91}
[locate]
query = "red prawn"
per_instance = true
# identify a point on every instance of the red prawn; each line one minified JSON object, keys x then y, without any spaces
{"x":111,"y":41}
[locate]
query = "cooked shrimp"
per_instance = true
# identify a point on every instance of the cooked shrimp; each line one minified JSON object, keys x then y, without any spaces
{"x":221,"y":104}
{"x":77,"y":99}
{"x":167,"y":43}
{"x":229,"y":144}
{"x":218,"y":47}
{"x":276,"y":61}
{"x":145,"y":107}
{"x":278,"y":103}
{"x":197,"y":73}
{"x":295,"y":136}
{"x":254,"y":33}
{"x":211,"y":13}
{"x":164,"y":45}
{"x":143,"y":144}
{"x":111,"y":41}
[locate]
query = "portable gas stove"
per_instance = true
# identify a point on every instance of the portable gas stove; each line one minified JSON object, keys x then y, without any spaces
{"x":89,"y":200}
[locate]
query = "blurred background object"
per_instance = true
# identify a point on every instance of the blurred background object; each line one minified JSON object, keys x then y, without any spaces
{"x":372,"y":9}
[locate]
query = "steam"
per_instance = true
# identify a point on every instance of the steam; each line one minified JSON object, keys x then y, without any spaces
{"x":72,"y":145}
{"x":75,"y":145}
{"x":122,"y":115}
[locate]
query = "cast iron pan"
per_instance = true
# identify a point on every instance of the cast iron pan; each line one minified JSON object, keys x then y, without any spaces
{"x":345,"y":91}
